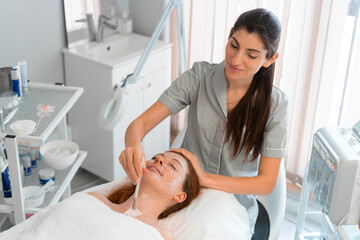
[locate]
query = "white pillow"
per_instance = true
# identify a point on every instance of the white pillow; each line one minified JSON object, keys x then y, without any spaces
{"x":213,"y":215}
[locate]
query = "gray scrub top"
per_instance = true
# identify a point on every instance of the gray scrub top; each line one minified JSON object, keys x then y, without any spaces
{"x":204,"y":89}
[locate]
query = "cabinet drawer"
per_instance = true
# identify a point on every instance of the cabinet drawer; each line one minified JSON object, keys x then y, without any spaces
{"x":155,"y":62}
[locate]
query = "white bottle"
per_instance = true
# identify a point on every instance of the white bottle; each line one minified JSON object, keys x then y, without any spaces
{"x":23,"y":75}
{"x":112,"y":15}
{"x":125,"y":23}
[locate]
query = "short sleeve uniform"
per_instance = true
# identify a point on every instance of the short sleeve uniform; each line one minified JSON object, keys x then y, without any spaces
{"x":204,"y":89}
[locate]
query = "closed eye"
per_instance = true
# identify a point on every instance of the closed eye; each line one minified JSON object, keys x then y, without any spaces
{"x":172,"y":165}
{"x":232,"y":45}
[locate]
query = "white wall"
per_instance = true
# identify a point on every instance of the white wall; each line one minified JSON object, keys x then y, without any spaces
{"x":33,"y":31}
{"x":146,"y":15}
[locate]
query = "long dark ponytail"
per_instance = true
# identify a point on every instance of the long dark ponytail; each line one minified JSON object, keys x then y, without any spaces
{"x":246,"y":123}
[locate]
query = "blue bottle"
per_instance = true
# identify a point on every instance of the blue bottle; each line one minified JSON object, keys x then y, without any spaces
{"x":15,"y":78}
{"x":33,"y":157}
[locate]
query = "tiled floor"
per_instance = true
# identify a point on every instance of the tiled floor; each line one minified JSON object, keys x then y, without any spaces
{"x":84,"y":179}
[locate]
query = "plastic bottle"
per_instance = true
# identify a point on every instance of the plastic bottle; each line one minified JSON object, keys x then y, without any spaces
{"x":1,"y":167}
{"x":5,"y":178}
{"x":32,"y":154}
{"x":23,"y":75}
{"x":112,"y":15}
{"x":2,"y":124}
{"x":27,"y":165}
{"x":125,"y":23}
{"x":15,"y":78}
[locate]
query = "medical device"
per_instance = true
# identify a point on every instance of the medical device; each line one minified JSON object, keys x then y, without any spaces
{"x":334,"y":173}
{"x":113,"y":108}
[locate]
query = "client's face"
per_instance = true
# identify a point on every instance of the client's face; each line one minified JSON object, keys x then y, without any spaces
{"x":167,"y":170}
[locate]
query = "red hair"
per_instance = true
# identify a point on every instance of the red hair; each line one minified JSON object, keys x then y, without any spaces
{"x":191,"y":187}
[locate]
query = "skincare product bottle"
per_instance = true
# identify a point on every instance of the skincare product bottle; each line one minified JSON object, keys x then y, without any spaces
{"x":27,"y":165}
{"x":15,"y":78}
{"x":32,"y":154}
{"x":2,"y":124}
{"x":37,"y":152}
{"x":112,"y":15}
{"x":125,"y":24}
{"x":23,"y":75}
{"x":3,"y":152}
{"x":5,"y":179}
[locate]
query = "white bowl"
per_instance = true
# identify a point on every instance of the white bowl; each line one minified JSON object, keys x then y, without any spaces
{"x":34,"y":202}
{"x":59,"y":154}
{"x":23,"y":127}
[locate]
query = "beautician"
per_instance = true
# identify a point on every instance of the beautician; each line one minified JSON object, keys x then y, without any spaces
{"x":237,"y":120}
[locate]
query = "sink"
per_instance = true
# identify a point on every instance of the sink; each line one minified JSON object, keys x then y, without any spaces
{"x":115,"y":50}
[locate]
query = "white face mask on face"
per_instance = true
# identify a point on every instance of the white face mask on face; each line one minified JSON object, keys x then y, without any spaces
{"x":167,"y":172}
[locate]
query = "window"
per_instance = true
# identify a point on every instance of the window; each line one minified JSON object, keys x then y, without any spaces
{"x":346,"y":97}
{"x":76,"y":10}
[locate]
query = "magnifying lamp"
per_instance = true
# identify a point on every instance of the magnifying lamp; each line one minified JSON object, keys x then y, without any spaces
{"x":112,"y":110}
{"x":113,"y":107}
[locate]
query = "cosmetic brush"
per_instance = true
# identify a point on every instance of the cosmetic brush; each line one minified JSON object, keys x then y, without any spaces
{"x":133,"y":211}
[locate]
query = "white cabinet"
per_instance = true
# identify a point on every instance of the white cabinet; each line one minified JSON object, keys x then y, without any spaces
{"x":98,"y":76}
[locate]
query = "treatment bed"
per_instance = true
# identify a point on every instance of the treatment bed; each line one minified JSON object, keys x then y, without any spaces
{"x":213,"y":215}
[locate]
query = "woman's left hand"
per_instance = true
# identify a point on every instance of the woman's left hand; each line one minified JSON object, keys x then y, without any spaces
{"x":195,"y":162}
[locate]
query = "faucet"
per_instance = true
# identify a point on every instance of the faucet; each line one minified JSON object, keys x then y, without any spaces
{"x":91,"y":26}
{"x":98,"y":35}
{"x":102,"y":23}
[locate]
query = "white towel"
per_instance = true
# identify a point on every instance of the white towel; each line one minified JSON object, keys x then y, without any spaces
{"x":81,"y":216}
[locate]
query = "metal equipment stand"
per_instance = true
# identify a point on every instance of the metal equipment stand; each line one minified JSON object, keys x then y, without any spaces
{"x":326,"y":224}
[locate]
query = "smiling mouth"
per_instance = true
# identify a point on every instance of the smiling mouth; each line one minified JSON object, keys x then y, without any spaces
{"x":153,"y":168}
{"x":234,"y":68}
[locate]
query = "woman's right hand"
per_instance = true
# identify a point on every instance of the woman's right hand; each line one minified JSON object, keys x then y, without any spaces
{"x":131,"y":157}
{"x":131,"y":161}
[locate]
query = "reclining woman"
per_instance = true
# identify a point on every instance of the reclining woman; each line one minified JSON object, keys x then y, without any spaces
{"x":169,"y":184}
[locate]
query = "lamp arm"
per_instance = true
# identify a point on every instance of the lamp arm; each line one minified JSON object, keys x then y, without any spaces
{"x":132,"y":78}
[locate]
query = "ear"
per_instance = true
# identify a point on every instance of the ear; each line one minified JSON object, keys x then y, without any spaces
{"x":271,"y":60}
{"x":180,"y":197}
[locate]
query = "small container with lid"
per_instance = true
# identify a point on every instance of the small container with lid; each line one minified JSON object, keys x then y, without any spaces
{"x":45,"y":174}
